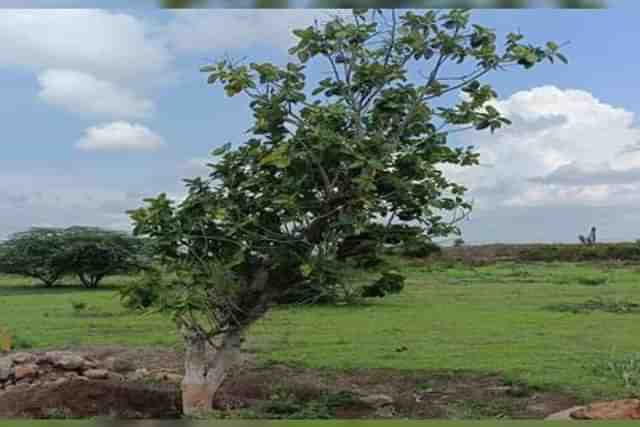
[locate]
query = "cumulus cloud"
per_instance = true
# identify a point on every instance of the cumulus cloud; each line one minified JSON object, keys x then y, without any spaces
{"x":567,"y":153}
{"x":83,"y":93}
{"x":119,"y":136}
{"x":202,"y":31}
{"x":111,"y":46}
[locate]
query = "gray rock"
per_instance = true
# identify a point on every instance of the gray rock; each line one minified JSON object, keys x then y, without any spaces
{"x":22,"y":358}
{"x":563,"y":415}
{"x":70,"y":362}
{"x":118,"y":365}
{"x":6,"y":368}
{"x":96,"y":374}
{"x":377,"y":400}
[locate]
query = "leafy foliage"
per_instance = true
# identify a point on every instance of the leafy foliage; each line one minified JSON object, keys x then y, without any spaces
{"x":331,"y":170}
{"x":37,"y":253}
{"x":48,"y":254}
{"x":93,"y":253}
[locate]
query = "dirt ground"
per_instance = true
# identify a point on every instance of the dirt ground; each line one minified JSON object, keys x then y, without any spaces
{"x":279,"y":391}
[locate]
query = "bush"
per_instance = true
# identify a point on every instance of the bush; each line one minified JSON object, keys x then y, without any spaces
{"x":577,"y":253}
{"x":420,"y":248}
{"x":142,"y":293}
{"x":389,"y":283}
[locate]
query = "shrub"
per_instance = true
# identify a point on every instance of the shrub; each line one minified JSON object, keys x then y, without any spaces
{"x":142,"y":293}
{"x":390,"y":282}
{"x":420,"y":248}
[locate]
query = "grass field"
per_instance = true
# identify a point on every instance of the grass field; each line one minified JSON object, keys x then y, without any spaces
{"x":529,"y":321}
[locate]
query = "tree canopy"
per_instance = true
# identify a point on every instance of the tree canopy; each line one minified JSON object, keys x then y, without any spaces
{"x":358,"y":152}
{"x":91,"y":253}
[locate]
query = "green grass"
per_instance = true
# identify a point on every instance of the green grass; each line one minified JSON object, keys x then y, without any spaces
{"x":39,"y":317}
{"x":493,"y":318}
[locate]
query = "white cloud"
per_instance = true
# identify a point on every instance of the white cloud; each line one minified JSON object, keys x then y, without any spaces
{"x":111,"y":46}
{"x":565,"y":148}
{"x":119,"y":136}
{"x":202,"y":31}
{"x":83,"y":93}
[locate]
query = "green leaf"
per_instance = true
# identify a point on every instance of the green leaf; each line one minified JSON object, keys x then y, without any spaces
{"x":221,"y":150}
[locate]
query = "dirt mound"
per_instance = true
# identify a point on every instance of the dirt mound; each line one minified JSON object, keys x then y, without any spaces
{"x":89,"y":398}
{"x":55,"y":384}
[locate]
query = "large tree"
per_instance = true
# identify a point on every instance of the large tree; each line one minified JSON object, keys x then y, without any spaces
{"x":93,"y":253}
{"x":357,"y":153}
{"x":37,"y":253}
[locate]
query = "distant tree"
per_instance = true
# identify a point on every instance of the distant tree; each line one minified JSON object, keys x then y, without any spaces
{"x":37,"y":253}
{"x":93,"y":253}
{"x":324,"y":167}
{"x":590,"y":239}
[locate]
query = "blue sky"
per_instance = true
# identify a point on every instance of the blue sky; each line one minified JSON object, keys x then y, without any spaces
{"x":249,"y":3}
{"x":110,"y":107}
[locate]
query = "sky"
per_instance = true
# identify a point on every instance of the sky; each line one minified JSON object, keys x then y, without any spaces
{"x":289,"y":3}
{"x":101,"y":108}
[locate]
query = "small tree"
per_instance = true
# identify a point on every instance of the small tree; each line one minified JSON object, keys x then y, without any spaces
{"x":93,"y":253}
{"x":326,"y":168}
{"x":37,"y":253}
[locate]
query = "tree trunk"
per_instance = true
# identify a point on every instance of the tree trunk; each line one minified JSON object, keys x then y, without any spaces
{"x":206,"y":368}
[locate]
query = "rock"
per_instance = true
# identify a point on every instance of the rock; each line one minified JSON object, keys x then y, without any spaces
{"x":96,"y":374}
{"x":563,"y":415}
{"x":90,"y":364}
{"x":22,"y":358}
{"x":139,"y":374}
{"x":25,"y":371}
{"x":174,"y":378}
{"x":500,"y":389}
{"x":60,"y":381}
{"x":377,"y":400}
{"x":628,"y":409}
{"x":6,"y":368}
{"x":387,"y":411}
{"x":70,"y":362}
{"x":118,"y":365}
{"x":168,"y":376}
{"x":117,"y":377}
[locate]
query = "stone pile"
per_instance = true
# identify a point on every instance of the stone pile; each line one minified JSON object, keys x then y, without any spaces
{"x":60,"y":366}
{"x":67,"y":384}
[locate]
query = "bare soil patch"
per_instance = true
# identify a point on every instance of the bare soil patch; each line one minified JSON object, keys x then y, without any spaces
{"x":276,"y":391}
